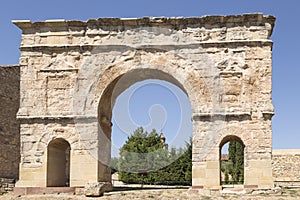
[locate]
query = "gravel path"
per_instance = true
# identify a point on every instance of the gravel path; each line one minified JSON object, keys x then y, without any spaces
{"x":166,"y":194}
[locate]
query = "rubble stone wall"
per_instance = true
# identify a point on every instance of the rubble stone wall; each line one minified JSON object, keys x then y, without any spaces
{"x":286,"y":167}
{"x":9,"y":126}
{"x":6,"y":185}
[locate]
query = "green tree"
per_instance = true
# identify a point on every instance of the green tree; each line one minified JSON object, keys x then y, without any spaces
{"x":226,"y":178}
{"x":179,"y":171}
{"x":114,"y":165}
{"x":144,"y":159}
{"x":142,"y":154}
{"x":236,"y":157}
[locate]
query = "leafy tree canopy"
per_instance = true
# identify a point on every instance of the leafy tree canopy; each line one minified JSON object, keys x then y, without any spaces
{"x":144,"y":159}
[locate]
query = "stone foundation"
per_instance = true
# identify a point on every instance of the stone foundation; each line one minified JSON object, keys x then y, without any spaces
{"x":45,"y":190}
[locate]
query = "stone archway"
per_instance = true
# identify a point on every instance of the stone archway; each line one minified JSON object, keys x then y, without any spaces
{"x":109,"y":96}
{"x":223,"y":63}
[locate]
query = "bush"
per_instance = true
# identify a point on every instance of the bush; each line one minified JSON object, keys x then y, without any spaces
{"x":144,"y":159}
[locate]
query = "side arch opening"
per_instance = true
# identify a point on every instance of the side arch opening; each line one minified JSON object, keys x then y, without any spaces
{"x":232,"y":161}
{"x":58,"y":163}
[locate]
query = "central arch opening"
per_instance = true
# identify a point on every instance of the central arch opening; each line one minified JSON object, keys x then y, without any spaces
{"x":151,"y":100}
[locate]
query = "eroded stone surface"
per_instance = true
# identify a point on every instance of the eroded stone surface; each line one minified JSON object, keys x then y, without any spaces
{"x":97,"y":189}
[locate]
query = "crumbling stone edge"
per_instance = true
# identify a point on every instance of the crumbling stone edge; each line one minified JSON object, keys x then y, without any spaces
{"x":6,"y":185}
{"x":97,"y":189}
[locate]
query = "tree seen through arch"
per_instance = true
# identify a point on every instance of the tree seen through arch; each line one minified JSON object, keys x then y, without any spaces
{"x":232,"y":163}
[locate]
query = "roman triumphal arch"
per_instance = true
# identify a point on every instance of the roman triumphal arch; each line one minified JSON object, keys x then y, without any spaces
{"x":73,"y":71}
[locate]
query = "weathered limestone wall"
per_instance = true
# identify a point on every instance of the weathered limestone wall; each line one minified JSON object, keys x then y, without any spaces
{"x":286,"y":167}
{"x":9,"y":125}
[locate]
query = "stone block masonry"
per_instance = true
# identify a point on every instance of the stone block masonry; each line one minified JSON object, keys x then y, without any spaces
{"x":286,"y":167}
{"x":9,"y":125}
{"x":73,"y":71}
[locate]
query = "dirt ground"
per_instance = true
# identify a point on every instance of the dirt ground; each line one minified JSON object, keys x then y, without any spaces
{"x":160,"y":194}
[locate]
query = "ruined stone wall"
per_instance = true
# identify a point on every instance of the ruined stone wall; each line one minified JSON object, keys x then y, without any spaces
{"x":6,"y":185}
{"x":9,"y":126}
{"x":286,"y":167}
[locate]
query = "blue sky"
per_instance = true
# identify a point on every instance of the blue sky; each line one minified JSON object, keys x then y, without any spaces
{"x":286,"y":70}
{"x":152,"y":104}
